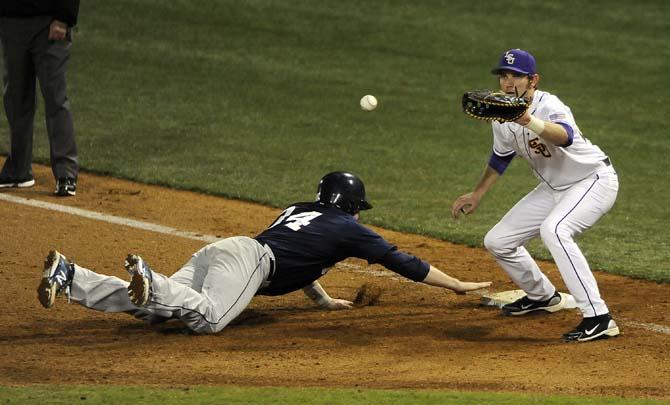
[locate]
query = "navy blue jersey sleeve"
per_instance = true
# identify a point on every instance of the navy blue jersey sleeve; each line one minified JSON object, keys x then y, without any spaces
{"x":366,"y":244}
{"x":406,"y":265}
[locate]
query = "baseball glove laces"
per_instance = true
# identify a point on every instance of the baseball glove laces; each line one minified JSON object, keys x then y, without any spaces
{"x":488,"y":105}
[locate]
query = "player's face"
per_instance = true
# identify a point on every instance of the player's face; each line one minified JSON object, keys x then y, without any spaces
{"x":513,"y":82}
{"x":357,"y":216}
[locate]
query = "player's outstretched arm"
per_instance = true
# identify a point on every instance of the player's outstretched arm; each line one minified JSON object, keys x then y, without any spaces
{"x":317,"y":294}
{"x":437,"y":278}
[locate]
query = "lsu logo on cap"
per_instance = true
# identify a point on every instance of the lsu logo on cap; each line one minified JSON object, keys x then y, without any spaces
{"x":516,"y":60}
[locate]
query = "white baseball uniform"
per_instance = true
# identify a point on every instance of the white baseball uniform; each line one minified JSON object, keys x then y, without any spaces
{"x":577,"y":186}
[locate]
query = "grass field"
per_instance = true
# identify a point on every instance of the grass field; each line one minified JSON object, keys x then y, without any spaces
{"x":230,"y":395}
{"x":257,"y":100}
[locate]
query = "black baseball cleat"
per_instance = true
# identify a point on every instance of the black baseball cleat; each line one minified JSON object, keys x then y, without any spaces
{"x":66,"y":186}
{"x":525,"y":305}
{"x":591,"y":328}
{"x":6,"y":182}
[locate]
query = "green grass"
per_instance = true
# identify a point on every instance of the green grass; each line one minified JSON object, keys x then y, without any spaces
{"x":209,"y":395}
{"x":258,"y":99}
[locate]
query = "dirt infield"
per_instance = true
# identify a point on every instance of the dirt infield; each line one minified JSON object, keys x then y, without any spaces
{"x":414,"y":337}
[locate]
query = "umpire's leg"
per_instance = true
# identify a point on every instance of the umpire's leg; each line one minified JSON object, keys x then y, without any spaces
{"x":51,"y":59}
{"x":16,"y":35}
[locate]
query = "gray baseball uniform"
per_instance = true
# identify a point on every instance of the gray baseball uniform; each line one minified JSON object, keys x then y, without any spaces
{"x":201,"y":289}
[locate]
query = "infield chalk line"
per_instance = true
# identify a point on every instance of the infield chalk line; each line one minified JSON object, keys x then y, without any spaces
{"x":113,"y":219}
{"x":166,"y":230}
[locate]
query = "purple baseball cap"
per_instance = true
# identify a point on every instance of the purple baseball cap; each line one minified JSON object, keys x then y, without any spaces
{"x":516,"y":60}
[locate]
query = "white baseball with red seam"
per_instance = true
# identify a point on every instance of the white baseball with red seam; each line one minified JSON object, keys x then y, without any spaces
{"x":368,"y":102}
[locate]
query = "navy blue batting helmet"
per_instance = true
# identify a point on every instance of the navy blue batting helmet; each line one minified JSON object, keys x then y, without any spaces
{"x":343,"y":190}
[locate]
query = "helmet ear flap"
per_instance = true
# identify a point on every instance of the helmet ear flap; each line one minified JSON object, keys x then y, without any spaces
{"x":355,"y":208}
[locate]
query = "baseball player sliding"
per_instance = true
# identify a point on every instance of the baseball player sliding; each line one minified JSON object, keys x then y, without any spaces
{"x":220,"y":280}
{"x":578,"y":185}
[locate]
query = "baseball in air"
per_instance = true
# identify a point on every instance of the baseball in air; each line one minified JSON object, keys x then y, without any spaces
{"x":368,"y":103}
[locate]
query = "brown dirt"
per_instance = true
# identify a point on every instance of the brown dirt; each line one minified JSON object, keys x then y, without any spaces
{"x":414,"y":337}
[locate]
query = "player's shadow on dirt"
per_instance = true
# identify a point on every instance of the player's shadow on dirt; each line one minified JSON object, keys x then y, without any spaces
{"x":251,"y":317}
{"x":358,"y":328}
{"x":248,"y":318}
{"x":73,"y":332}
{"x":351,"y":328}
{"x":483,"y":334}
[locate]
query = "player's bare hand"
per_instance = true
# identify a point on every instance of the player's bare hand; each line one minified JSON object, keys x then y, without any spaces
{"x":336,"y":304}
{"x":57,"y":30}
{"x":465,"y":204}
{"x":465,"y":286}
{"x":524,"y":119}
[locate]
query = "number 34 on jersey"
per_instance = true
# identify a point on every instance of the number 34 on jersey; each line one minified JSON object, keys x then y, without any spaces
{"x":297,"y":221}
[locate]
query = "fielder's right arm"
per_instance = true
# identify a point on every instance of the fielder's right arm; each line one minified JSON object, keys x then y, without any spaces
{"x":468,"y":203}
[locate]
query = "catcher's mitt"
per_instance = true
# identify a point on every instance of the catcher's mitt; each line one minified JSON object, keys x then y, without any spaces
{"x":488,"y":106}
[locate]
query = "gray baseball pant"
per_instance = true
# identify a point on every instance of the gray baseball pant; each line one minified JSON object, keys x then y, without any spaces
{"x":207,"y":293}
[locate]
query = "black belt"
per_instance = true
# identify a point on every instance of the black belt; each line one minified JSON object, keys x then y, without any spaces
{"x":607,"y":161}
{"x":271,"y":274}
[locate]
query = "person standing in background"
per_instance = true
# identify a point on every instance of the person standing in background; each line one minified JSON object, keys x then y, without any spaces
{"x":36,"y":39}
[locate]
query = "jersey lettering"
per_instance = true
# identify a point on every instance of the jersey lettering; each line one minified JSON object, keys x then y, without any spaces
{"x":283,"y":216}
{"x":297,"y":221}
{"x":539,"y":147}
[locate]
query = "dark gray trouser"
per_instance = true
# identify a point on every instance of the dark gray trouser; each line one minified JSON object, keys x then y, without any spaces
{"x":28,"y":54}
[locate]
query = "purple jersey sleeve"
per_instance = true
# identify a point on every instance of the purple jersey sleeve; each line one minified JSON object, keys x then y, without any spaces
{"x":570,"y":131}
{"x":500,"y":163}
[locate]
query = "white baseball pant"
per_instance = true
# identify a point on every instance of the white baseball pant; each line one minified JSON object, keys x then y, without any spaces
{"x":557,"y":217}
